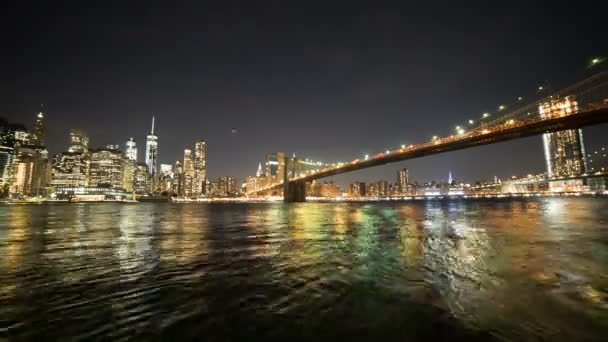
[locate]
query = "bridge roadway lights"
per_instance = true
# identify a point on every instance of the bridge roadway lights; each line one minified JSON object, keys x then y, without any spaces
{"x":294,"y":191}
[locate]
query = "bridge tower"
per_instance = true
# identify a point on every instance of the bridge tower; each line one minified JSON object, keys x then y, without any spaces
{"x":293,"y":191}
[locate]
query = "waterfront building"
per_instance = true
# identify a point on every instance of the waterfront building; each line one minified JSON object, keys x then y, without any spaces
{"x":166,"y":178}
{"x":152,"y":153}
{"x":91,"y":193}
{"x":188,"y":177}
{"x":226,"y":186}
{"x":106,"y":168}
{"x":29,"y":171}
{"x":131,"y":150}
{"x":128,"y":179}
{"x":564,"y":150}
{"x":200,"y":168}
{"x":275,"y":164}
{"x":403,"y":181}
{"x":70,"y":169}
{"x":356,"y":189}
{"x":213,"y":187}
{"x":6,"y":165}
{"x":79,"y":141}
{"x":250,"y":184}
{"x":330,"y":189}
{"x":378,"y":189}
{"x":141,"y":183}
{"x":178,"y":179}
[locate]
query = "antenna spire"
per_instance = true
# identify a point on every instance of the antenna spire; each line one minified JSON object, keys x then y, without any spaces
{"x":152,"y":126}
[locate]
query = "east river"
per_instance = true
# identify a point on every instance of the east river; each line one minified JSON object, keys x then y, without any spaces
{"x":516,"y":270}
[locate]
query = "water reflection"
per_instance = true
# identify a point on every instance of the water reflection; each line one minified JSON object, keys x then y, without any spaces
{"x":515,"y":270}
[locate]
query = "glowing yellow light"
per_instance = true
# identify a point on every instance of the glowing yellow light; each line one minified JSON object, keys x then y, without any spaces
{"x":485,"y":115}
{"x":366,"y":156}
{"x":460,"y":131}
{"x":520,"y":98}
{"x":402,"y":146}
{"x":387,"y":152}
{"x":541,"y":88}
{"x":471,"y":122}
{"x":595,"y":61}
{"x":434,"y":137}
{"x":501,"y":107}
{"x":457,"y":127}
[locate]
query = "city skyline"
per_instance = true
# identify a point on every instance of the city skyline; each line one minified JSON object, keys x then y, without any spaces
{"x":339,"y":84}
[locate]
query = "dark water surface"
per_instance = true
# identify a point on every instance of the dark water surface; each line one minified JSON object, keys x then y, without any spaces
{"x":519,"y":270}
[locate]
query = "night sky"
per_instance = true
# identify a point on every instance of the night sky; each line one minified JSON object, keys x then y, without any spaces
{"x":326,"y":80}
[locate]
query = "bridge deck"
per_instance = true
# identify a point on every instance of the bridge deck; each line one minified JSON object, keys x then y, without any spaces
{"x":518,"y":129}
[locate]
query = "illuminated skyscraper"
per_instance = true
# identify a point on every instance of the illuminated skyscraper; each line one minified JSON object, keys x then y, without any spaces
{"x":70,"y":169}
{"x":200,"y":168}
{"x":226,"y":186}
{"x":564,"y":150}
{"x":6,"y":165}
{"x":356,"y":189}
{"x":178,"y":179}
{"x":141,"y":183}
{"x":79,"y":141}
{"x":275,"y":164}
{"x":166,"y":178}
{"x":131,"y":150}
{"x":37,"y":133}
{"x":188,"y":173}
{"x":152,"y":152}
{"x":107,"y":168}
{"x":378,"y":189}
{"x":403,"y":181}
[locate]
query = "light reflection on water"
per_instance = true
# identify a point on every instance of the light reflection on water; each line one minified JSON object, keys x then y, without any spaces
{"x":514,"y":270}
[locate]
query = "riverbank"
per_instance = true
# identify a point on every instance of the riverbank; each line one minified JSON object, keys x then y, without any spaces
{"x":316,"y":199}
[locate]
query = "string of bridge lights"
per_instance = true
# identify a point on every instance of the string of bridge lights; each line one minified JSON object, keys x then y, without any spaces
{"x":460,"y":129}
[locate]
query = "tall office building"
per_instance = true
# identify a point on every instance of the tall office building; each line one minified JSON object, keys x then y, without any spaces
{"x":356,"y":189}
{"x":6,"y":165}
{"x":188,"y":173}
{"x":107,"y":168}
{"x":378,"y":189}
{"x":131,"y":149}
{"x":141,"y":183}
{"x":6,"y":157}
{"x":79,"y":141}
{"x":152,"y":152}
{"x":226,"y":186}
{"x":564,"y":150}
{"x":37,"y":133}
{"x":403,"y":181}
{"x":200,"y":168}
{"x":166,"y":178}
{"x":275,"y":165}
{"x":70,"y":169}
{"x":178,"y":179}
{"x":29,"y":171}
{"x":128,"y":179}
